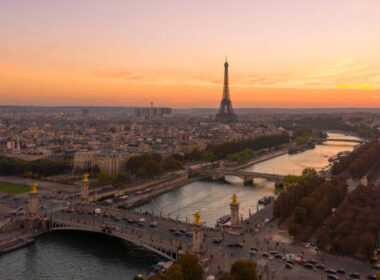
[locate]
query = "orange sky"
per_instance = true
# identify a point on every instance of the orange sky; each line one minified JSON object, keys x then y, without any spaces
{"x":128,"y":53}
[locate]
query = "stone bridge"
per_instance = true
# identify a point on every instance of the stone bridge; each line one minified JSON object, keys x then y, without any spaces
{"x":360,"y":141}
{"x":157,"y":239}
{"x":247,"y":176}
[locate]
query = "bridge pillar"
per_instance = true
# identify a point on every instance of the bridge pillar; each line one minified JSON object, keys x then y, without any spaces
{"x":199,"y":247}
{"x":248,"y":180}
{"x":218,"y":177}
{"x":235,"y":227}
{"x":84,"y":189}
{"x":33,"y":202}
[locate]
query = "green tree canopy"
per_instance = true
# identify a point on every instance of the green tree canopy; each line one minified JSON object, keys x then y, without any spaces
{"x":121,"y":179}
{"x":175,"y":272}
{"x":191,"y":269}
{"x":103,"y":178}
{"x":244,"y":270}
{"x":171,"y":164}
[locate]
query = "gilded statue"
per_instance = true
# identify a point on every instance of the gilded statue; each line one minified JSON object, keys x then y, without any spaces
{"x":85,"y":177}
{"x":234,"y":199}
{"x":197,"y":218}
{"x":34,"y":188}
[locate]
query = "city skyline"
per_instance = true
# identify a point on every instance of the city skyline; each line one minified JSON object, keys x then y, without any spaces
{"x":319,"y":54}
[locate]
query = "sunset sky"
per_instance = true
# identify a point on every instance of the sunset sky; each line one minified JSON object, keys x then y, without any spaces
{"x":282,"y":53}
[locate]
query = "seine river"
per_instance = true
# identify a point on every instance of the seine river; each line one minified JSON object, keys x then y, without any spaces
{"x":73,"y":255}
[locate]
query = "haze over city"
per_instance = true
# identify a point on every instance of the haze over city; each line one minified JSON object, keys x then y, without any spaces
{"x":128,"y":53}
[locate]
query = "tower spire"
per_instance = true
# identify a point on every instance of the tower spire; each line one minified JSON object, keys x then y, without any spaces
{"x":225,"y":113}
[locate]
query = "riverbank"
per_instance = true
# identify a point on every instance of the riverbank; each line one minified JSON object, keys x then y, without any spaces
{"x":262,"y":158}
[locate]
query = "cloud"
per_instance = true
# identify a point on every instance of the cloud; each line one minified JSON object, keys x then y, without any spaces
{"x":356,"y":86}
{"x":123,"y":75}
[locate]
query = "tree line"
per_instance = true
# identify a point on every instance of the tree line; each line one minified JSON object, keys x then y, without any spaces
{"x":360,"y":161}
{"x":40,"y":167}
{"x":236,"y":149}
{"x":353,"y":228}
{"x":308,"y":203}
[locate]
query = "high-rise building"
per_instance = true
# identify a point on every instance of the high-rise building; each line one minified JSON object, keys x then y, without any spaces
{"x":226,"y":113}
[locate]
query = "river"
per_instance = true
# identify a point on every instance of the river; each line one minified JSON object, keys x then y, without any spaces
{"x":75,"y":255}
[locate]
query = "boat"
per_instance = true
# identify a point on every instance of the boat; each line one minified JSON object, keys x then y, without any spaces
{"x":266,"y":200}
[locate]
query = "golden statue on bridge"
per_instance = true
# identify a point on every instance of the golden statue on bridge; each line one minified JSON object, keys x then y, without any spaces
{"x":85,"y":177}
{"x":234,"y":199}
{"x":197,"y":218}
{"x":34,"y":188}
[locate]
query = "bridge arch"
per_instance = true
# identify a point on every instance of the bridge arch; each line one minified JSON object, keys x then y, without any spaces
{"x":164,"y":252}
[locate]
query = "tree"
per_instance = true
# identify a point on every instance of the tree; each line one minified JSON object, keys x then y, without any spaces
{"x":300,"y":215}
{"x":171,"y":164}
{"x":244,"y":270}
{"x":208,"y":156}
{"x":174,"y":272}
{"x":151,"y":168}
{"x":103,"y":178}
{"x":226,"y":276}
{"x":195,"y":154}
{"x":191,"y":269}
{"x":290,"y":181}
{"x":309,"y":172}
{"x":121,"y":179}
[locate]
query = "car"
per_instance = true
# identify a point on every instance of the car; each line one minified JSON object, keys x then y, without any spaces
{"x":309,"y":266}
{"x":371,"y":277}
{"x":182,"y":231}
{"x":153,"y":224}
{"x":312,"y":261}
{"x":130,"y":221}
{"x":266,"y":255}
{"x":301,"y":261}
{"x":341,"y":271}
{"x":172,"y":230}
{"x":376,"y":266}
{"x":178,"y":233}
{"x":355,"y":275}
{"x":273,"y":252}
{"x":332,"y":277}
{"x":189,"y":234}
{"x":231,"y":245}
{"x":253,"y":251}
{"x":141,"y":224}
{"x":289,"y":265}
{"x":320,"y":266}
{"x":330,"y":271}
{"x":278,"y":256}
{"x":239,"y":245}
{"x":217,"y":240}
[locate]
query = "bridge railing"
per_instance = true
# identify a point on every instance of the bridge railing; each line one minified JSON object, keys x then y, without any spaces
{"x":149,"y":240}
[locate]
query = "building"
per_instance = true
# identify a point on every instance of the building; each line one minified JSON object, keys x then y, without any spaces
{"x":84,"y":160}
{"x":150,"y":112}
{"x":111,"y":163}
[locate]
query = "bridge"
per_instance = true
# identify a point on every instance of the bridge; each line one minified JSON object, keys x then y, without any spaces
{"x":360,"y":141}
{"x":247,"y":176}
{"x":157,"y":239}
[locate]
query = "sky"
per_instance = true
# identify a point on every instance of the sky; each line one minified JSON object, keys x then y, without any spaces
{"x":282,"y":53}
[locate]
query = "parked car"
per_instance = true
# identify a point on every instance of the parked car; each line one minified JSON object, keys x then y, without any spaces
{"x":217,"y":240}
{"x":153,"y":224}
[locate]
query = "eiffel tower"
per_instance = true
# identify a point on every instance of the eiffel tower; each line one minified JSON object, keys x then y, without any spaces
{"x":225,"y":113}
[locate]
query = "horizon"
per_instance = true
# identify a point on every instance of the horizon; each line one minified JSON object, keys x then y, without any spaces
{"x":92,"y":53}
